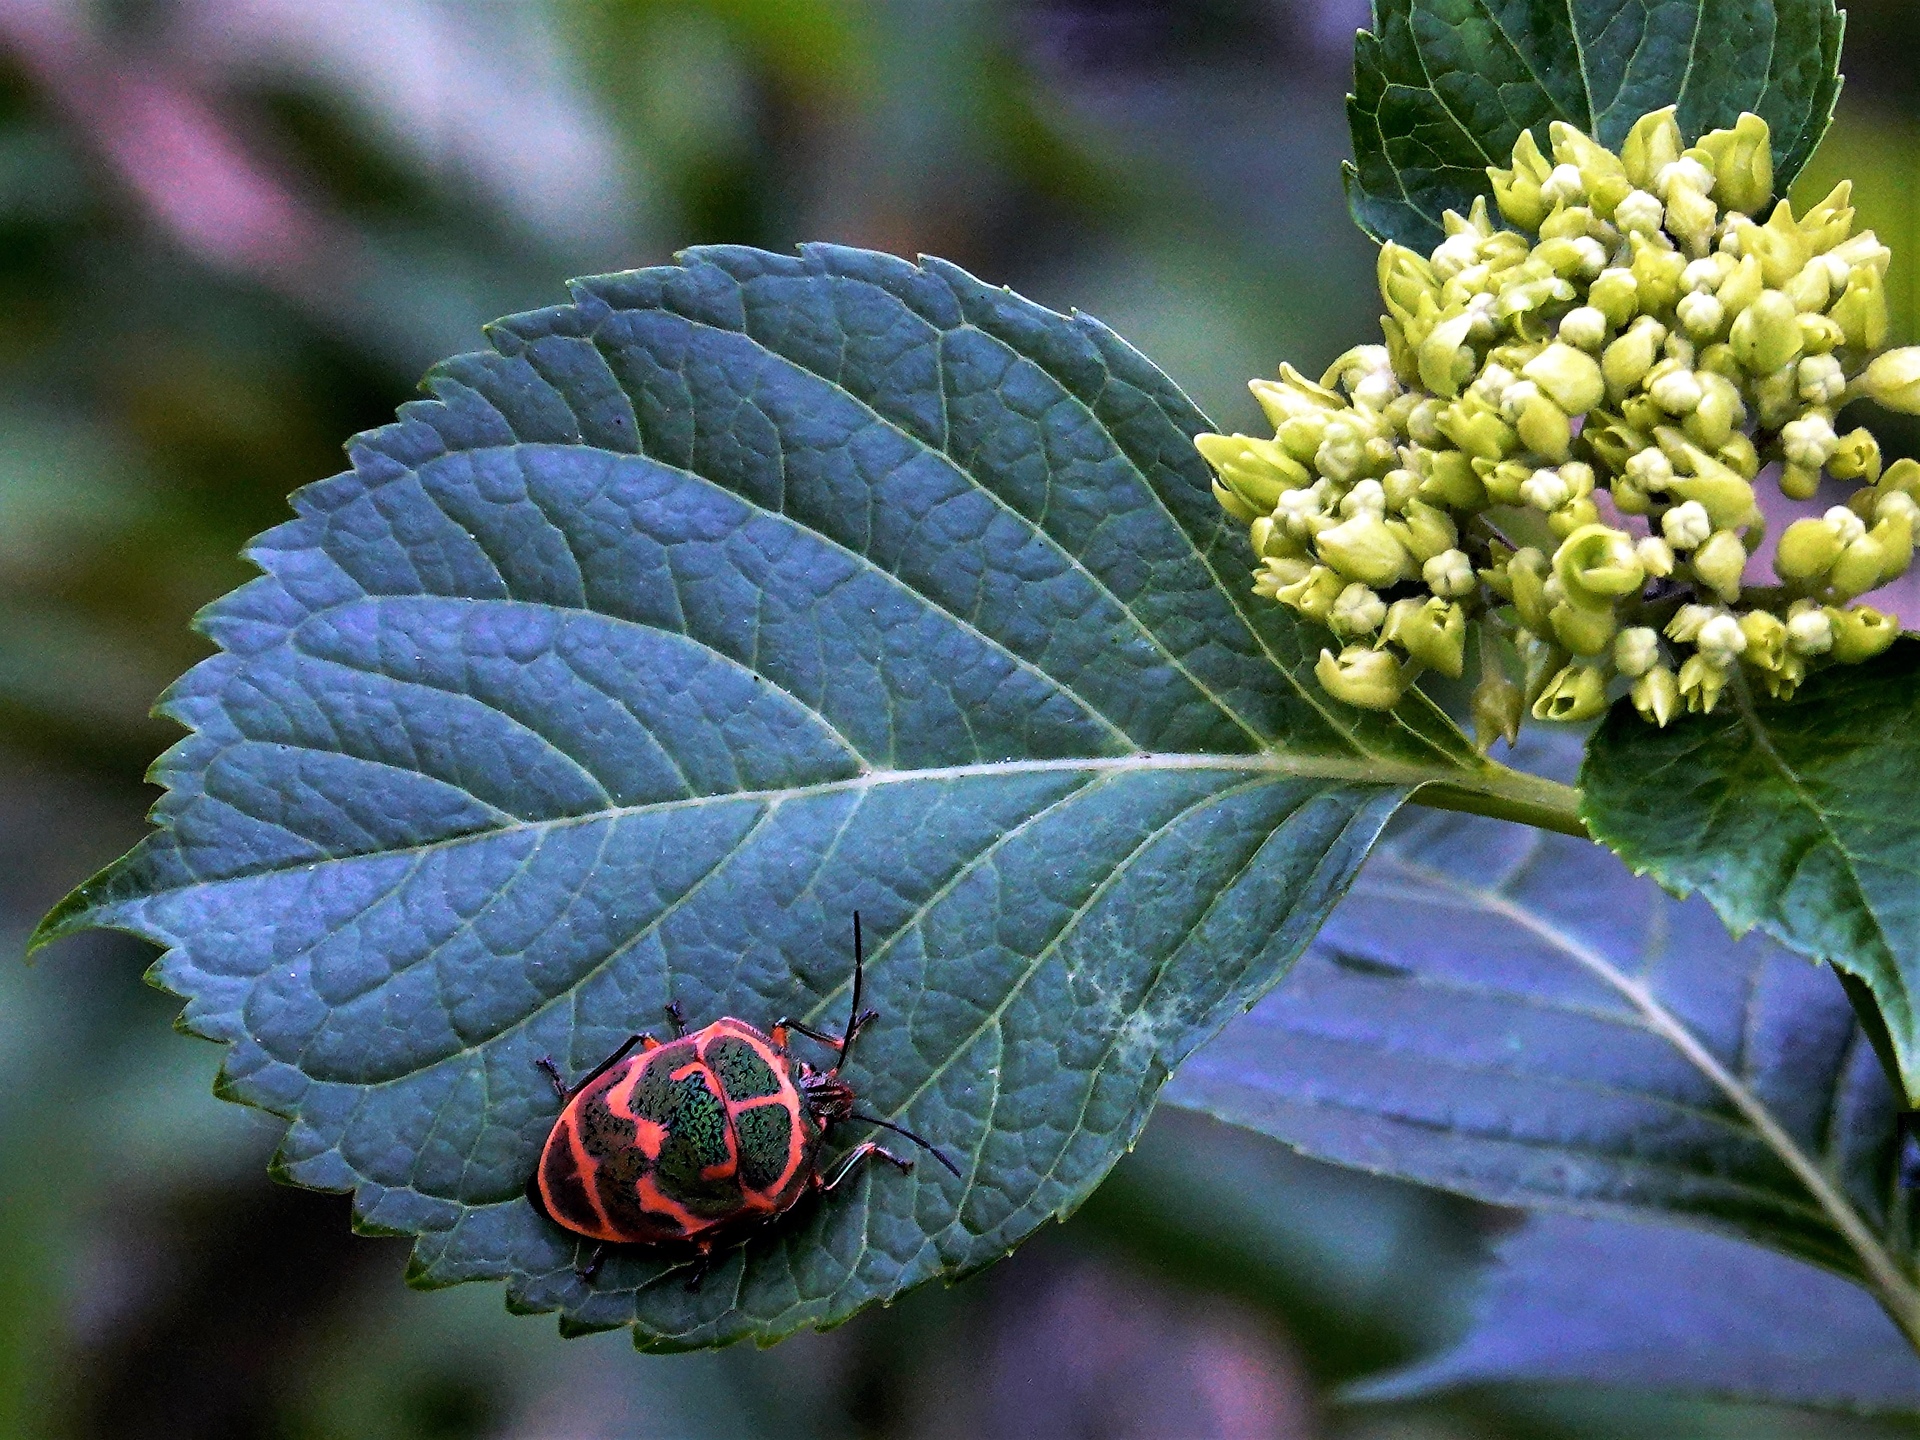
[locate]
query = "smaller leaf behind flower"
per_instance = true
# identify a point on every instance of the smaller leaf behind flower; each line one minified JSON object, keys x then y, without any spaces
{"x":1513,"y":1016}
{"x":1442,"y":89}
{"x":1801,"y":819}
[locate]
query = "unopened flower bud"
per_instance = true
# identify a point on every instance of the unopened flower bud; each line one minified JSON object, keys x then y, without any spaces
{"x":1807,"y":551}
{"x":1640,"y":211}
{"x":1526,"y":575}
{"x":1809,"y":441}
{"x":1651,"y":145}
{"x":1687,"y":172}
{"x":1275,"y":575}
{"x":1578,"y":692}
{"x":1676,"y":391}
{"x":1518,"y":191}
{"x":1687,"y":622}
{"x":1720,"y":562}
{"x":1860,"y":632}
{"x":1449,"y":574}
{"x":1258,"y":472}
{"x":1809,"y":629}
{"x":1598,"y":564}
{"x":1563,"y":186}
{"x":1656,"y":556}
{"x":1687,"y":525}
{"x":1570,"y":378}
{"x":1859,"y":567}
{"x":1766,"y":634}
{"x":1893,"y":379}
{"x":1742,"y":163}
{"x":1313,"y":594}
{"x":1779,"y":246}
{"x":1721,"y":640}
{"x":1586,"y":629}
{"x":1584,"y":327}
{"x":1476,"y":427}
{"x":1855,"y":457}
{"x":1369,"y":679}
{"x":1743,"y":283}
{"x":1433,"y":632}
{"x":1357,"y":611}
{"x":1636,"y":651}
{"x":1498,"y":706}
{"x":1896,"y":505}
{"x":1656,"y":271}
{"x":1710,"y":423}
{"x":1425,"y":532}
{"x":1651,"y":470}
{"x":1903,"y":475}
{"x":1656,"y":695}
{"x":1367,"y":497}
{"x":1861,"y":310}
{"x":1820,"y":380}
{"x":1701,"y":682}
{"x":1293,"y":394}
{"x":1450,"y":481}
{"x":1543,"y":426}
{"x":1766,"y":335}
{"x":1846,"y":525}
{"x":1702,"y":316}
{"x":1689,"y":217}
{"x":1546,"y":490}
{"x":1364,"y":549}
{"x":1627,"y":360}
{"x":1726,"y":496}
{"x":1615,"y":294}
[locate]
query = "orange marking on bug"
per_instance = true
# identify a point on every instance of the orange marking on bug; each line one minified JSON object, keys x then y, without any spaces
{"x":588,"y":1170}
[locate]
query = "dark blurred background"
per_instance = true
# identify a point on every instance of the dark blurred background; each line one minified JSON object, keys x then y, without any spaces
{"x":234,"y":232}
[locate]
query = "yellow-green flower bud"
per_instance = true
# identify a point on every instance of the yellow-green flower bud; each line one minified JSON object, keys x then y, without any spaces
{"x":1476,"y":427}
{"x":1894,"y":504}
{"x":1742,"y":285}
{"x":1639,"y":212}
{"x":1233,"y":504}
{"x":1720,"y":641}
{"x":1259,"y":472}
{"x":1893,"y":379}
{"x":1856,"y":457}
{"x":1742,"y":164}
{"x":1820,"y":380}
{"x":1545,"y":490}
{"x":1736,"y":452}
{"x":1293,"y":394}
{"x":1719,"y":563}
{"x":1446,"y":357}
{"x":1656,"y":272}
{"x":1526,"y":575}
{"x":1498,"y":706}
{"x":1688,"y":621}
{"x":1449,"y":574}
{"x":1585,"y":630}
{"x":1272,"y":542}
{"x":1710,"y":423}
{"x":1636,"y":651}
{"x":1616,"y":295}
{"x":1726,"y":495}
{"x":1314,"y":593}
{"x":1831,"y":221}
{"x":1687,"y":526}
{"x":1425,"y":532}
{"x":1656,"y":695}
{"x":1766,"y":640}
{"x":1701,"y":682}
{"x":1859,"y":567}
{"x":1809,"y":440}
{"x":1570,"y":378}
{"x":1598,"y":564}
{"x":1302,"y":435}
{"x":1434,"y":632}
{"x":1656,"y":556}
{"x":1690,"y":217}
{"x":1776,"y":397}
{"x":1578,"y":692}
{"x":1369,"y":679}
{"x":1766,"y":335}
{"x":1701,"y":316}
{"x":1405,"y":280}
{"x":1819,"y":334}
{"x":1807,"y":551}
{"x":1651,"y":145}
{"x":1363,"y":548}
{"x":1780,"y":247}
{"x":1811,"y":290}
{"x":1904,"y":476}
{"x":1625,"y":363}
{"x":1273,"y":576}
{"x":1674,"y":388}
{"x":1809,"y":629}
{"x":1356,"y":611}
{"x":1571,"y":516}
{"x":1544,"y":427}
{"x":1584,"y":328}
{"x":1450,"y":481}
{"x":1861,"y":310}
{"x":1517,"y":191}
{"x":1860,"y":632}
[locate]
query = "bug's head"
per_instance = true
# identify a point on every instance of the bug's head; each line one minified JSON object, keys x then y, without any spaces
{"x":828,"y":1096}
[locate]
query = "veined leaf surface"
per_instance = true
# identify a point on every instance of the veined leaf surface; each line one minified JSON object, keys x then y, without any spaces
{"x":723,"y":601}
{"x":1442,"y":88}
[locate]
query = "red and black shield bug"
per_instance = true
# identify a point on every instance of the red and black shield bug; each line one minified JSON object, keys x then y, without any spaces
{"x":696,"y":1140}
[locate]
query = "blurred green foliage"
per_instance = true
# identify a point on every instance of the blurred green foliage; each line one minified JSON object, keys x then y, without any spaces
{"x":1170,"y":167}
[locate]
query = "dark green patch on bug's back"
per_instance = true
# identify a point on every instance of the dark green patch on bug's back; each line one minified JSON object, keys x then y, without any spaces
{"x":603,"y":1133}
{"x":655,"y":1096}
{"x":743,"y":1073}
{"x":697,"y":1141}
{"x":765,"y":1133}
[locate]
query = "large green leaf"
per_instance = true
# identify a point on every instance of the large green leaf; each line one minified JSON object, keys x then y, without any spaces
{"x":1442,"y":88}
{"x":727,"y":599}
{"x":1514,"y":1016}
{"x":1802,"y":819}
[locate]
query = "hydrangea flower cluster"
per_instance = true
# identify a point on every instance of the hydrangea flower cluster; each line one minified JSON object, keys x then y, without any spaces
{"x":1639,"y":344}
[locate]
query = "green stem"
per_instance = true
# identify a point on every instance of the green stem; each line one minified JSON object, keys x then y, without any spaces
{"x":1510,"y":795}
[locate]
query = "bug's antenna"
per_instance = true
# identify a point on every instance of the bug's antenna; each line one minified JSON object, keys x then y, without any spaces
{"x":926,"y":1145}
{"x":854,"y":1018}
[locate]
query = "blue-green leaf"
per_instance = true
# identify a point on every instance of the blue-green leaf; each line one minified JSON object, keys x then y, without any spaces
{"x":1442,"y":88}
{"x":1515,"y":1017}
{"x":730,"y":598}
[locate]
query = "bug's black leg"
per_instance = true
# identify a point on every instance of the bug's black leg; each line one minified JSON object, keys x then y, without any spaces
{"x":587,"y":1271}
{"x":861,"y":1152}
{"x":679,"y":1020}
{"x":808,"y":1031}
{"x":545,"y":1062}
{"x":702,"y":1263}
